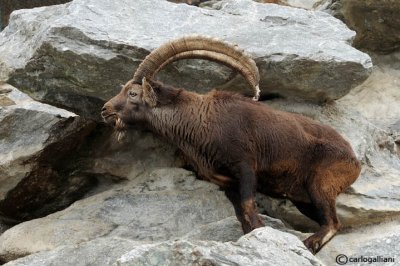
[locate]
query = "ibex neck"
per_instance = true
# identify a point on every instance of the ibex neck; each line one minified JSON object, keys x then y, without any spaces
{"x":180,"y":122}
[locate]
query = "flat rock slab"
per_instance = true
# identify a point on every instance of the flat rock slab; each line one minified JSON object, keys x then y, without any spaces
{"x":164,"y":204}
{"x":263,"y":246}
{"x":76,"y":55}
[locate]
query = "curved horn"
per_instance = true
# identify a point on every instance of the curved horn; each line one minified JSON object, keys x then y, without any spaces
{"x":200,"y":47}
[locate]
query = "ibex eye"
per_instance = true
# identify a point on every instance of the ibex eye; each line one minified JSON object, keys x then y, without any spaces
{"x":132,"y":94}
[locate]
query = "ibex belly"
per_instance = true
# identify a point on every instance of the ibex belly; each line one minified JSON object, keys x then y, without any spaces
{"x":283,"y":180}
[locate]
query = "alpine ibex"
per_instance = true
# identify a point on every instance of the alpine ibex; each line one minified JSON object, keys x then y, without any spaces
{"x":240,"y":144}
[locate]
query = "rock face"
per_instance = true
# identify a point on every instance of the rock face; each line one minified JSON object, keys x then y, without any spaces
{"x":77,"y":55}
{"x":34,"y":156}
{"x":376,"y":22}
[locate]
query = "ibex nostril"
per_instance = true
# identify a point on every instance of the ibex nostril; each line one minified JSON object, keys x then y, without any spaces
{"x":104,"y":109}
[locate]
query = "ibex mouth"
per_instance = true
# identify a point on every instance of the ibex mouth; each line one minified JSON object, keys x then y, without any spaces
{"x":116,"y":122}
{"x":109,"y":118}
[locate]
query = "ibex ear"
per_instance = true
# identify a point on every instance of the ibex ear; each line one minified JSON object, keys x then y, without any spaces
{"x":149,"y":96}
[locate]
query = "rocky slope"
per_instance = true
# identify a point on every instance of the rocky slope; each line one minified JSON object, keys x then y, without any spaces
{"x":133,"y":202}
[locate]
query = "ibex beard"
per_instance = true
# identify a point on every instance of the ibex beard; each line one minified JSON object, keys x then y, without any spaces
{"x":242,"y":145}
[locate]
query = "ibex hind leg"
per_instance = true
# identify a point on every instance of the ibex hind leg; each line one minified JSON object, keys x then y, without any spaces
{"x":323,"y":199}
{"x":323,"y":187}
{"x":308,"y":209}
{"x":327,"y":219}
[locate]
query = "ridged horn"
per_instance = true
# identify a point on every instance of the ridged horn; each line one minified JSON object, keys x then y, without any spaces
{"x":200,"y":47}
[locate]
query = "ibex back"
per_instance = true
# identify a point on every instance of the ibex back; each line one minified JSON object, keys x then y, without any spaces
{"x":242,"y":145}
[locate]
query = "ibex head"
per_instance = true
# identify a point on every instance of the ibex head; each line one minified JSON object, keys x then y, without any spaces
{"x":140,"y":94}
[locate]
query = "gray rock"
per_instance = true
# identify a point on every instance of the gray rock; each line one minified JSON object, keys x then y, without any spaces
{"x":76,"y":55}
{"x":8,"y":6}
{"x":229,"y":229}
{"x":376,"y":22}
{"x":266,"y":246}
{"x":162,"y":205}
{"x":305,"y":4}
{"x":101,"y":251}
{"x":377,"y":241}
{"x":140,"y":152}
{"x":36,"y":144}
{"x":106,"y":250}
{"x":263,"y":246}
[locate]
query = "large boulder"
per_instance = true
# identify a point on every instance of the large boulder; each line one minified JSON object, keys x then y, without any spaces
{"x":376,"y":22}
{"x":160,"y":205}
{"x":77,"y":55}
{"x":37,"y":144}
{"x":50,"y":157}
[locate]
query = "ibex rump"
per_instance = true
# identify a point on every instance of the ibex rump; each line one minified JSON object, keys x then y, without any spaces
{"x":237,"y":143}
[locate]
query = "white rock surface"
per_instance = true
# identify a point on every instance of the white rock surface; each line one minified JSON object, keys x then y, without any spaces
{"x":76,"y":55}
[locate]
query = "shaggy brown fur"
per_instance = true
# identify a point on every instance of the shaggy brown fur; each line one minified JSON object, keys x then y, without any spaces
{"x":245,"y":146}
